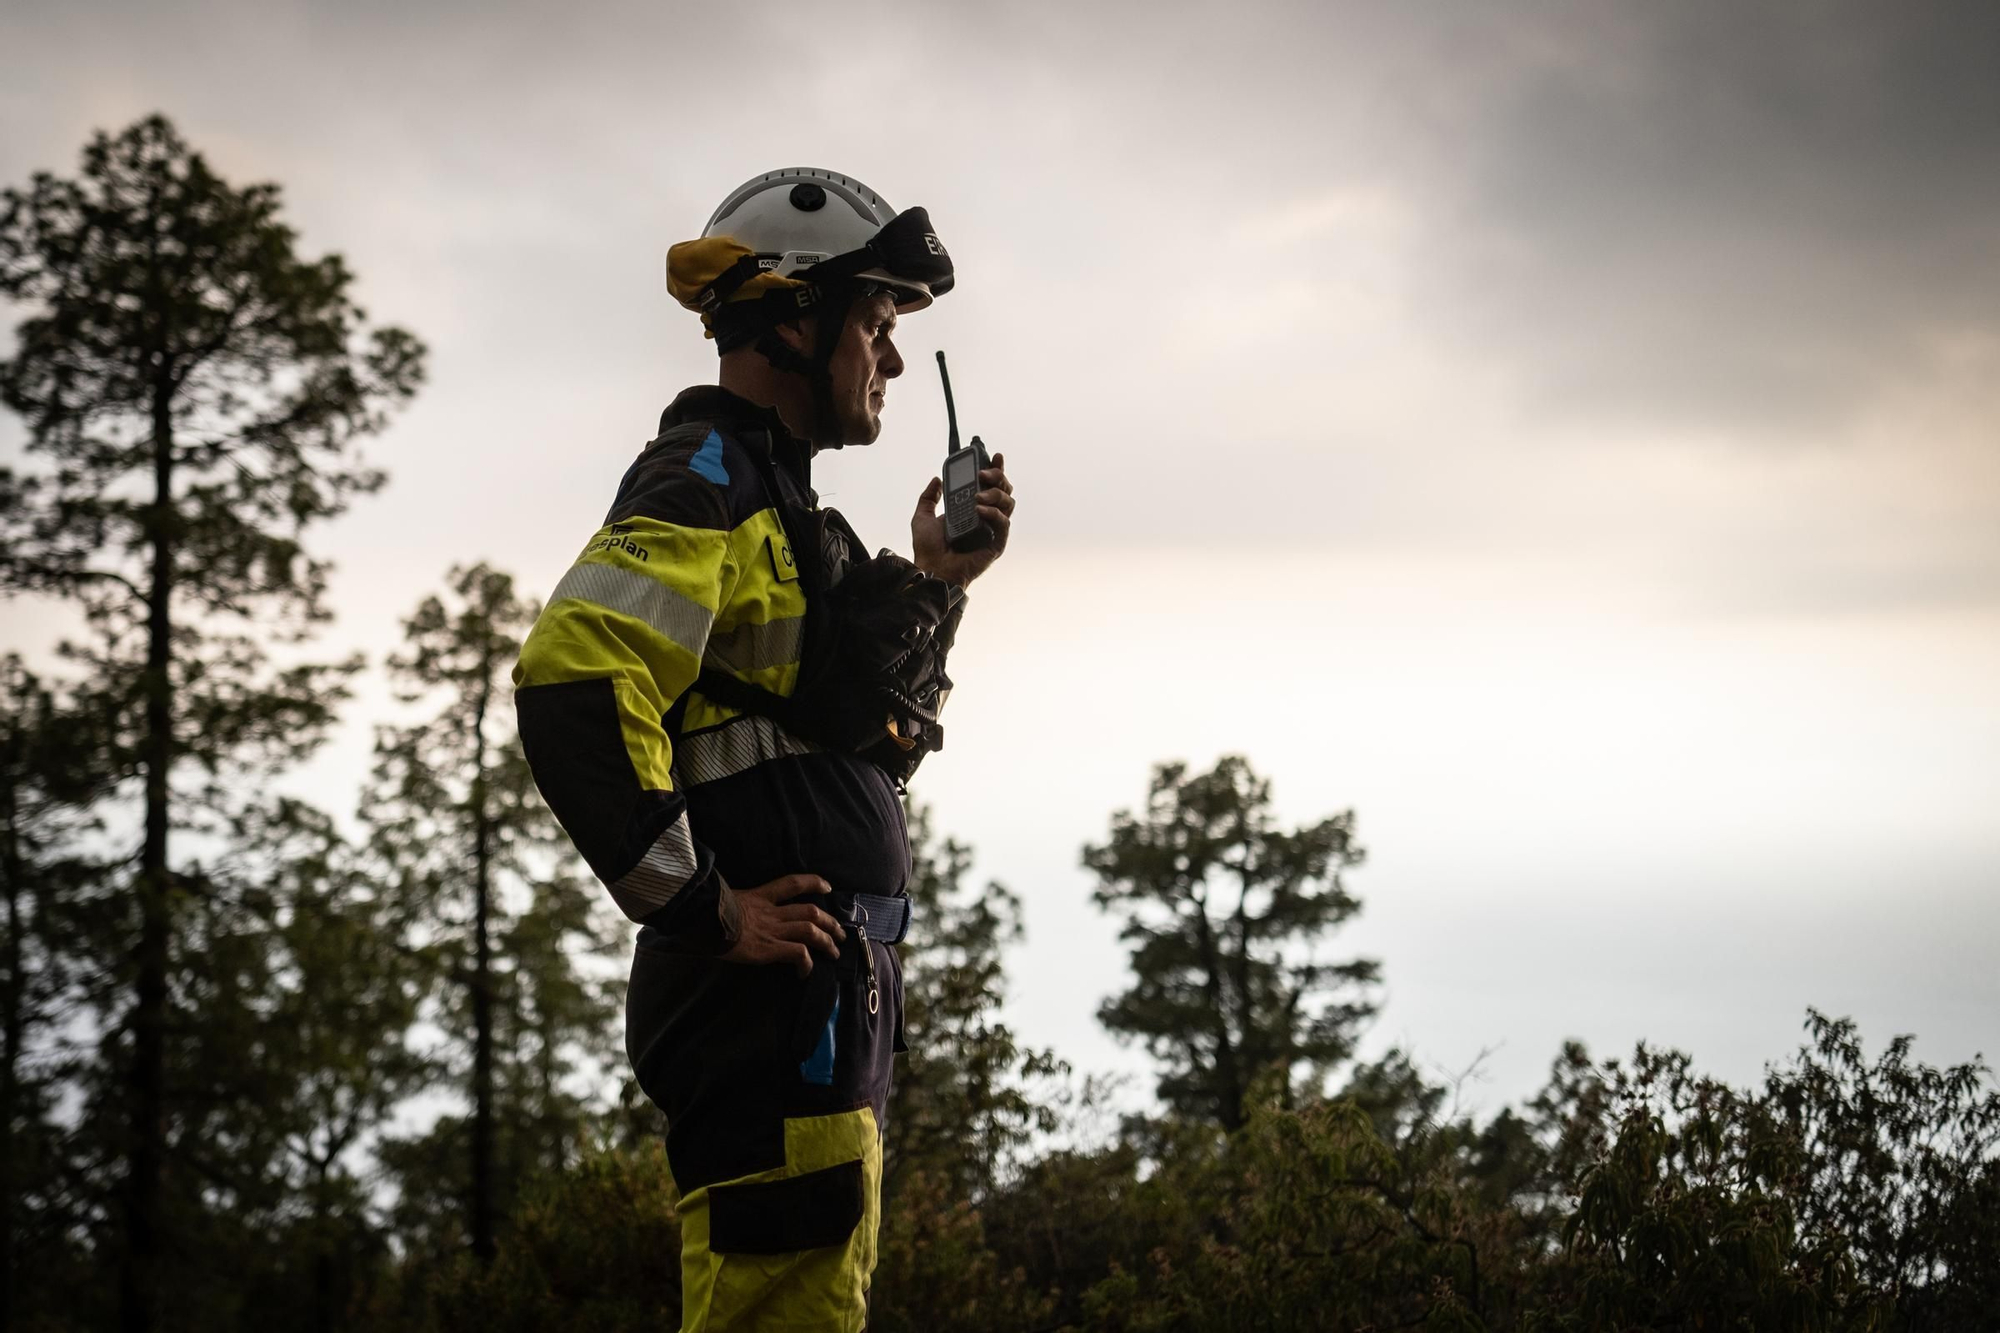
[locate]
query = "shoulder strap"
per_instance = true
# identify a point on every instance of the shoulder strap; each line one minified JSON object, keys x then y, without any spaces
{"x":725,"y":688}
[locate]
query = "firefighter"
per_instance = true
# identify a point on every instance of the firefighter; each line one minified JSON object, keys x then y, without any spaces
{"x":722,"y":702}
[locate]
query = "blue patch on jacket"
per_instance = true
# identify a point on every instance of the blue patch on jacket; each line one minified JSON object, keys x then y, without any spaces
{"x":707,"y":460}
{"x":818,"y":1067}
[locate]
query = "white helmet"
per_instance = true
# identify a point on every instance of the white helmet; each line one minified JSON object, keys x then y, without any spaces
{"x":784,"y":242}
{"x":802,"y":216}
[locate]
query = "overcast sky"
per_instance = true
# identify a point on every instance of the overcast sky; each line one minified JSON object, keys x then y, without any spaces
{"x":1567,"y":434}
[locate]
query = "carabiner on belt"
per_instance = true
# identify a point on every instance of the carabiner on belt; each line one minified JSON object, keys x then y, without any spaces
{"x":868,"y":961}
{"x":857,"y":922}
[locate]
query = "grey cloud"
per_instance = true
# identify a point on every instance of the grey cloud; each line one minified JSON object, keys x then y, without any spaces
{"x":1737,"y":216}
{"x":1481,"y":223}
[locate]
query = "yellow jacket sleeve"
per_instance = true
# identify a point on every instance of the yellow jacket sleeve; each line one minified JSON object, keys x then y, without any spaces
{"x":621,"y":637}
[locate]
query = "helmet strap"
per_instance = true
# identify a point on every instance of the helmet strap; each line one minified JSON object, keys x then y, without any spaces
{"x":833,"y":312}
{"x":781,"y":353}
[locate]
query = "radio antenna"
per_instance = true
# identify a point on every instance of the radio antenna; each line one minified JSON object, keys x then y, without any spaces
{"x":951,"y":412}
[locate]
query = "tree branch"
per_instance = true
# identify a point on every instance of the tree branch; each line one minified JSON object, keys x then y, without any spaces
{"x":54,"y":574}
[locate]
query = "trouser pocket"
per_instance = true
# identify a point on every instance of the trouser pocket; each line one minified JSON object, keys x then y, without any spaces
{"x":844,"y":1032}
{"x":804,"y":1212}
{"x":814,"y":1031}
{"x":791,"y":1249}
{"x":894,"y":996}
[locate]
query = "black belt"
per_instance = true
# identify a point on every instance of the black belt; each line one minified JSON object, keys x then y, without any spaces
{"x":881,"y":918}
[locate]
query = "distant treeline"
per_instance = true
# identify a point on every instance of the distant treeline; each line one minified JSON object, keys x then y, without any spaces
{"x":263,"y":1072}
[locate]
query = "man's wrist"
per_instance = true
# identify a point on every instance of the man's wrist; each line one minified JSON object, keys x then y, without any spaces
{"x":728,"y":911}
{"x":937,"y":572}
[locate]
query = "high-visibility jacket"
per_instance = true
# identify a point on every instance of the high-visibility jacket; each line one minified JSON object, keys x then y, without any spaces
{"x":692,"y":568}
{"x":775,"y":1089}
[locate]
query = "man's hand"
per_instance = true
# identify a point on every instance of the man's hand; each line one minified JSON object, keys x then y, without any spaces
{"x":994,"y":504}
{"x":763,"y":928}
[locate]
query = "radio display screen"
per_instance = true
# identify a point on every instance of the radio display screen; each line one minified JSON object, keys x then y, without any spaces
{"x":959,"y":471}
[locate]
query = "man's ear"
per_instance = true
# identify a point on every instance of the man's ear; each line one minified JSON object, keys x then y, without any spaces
{"x":797,"y":335}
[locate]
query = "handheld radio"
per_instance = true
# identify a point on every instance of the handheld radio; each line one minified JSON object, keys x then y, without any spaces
{"x":964,"y":530}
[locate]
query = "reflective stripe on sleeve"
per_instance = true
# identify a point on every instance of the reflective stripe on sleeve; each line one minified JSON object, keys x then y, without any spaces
{"x":733,"y":747}
{"x":754,"y":647}
{"x":661,"y":873}
{"x":679,"y":618}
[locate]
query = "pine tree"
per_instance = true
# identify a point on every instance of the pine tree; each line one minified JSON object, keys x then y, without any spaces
{"x":962,"y":1102}
{"x":466,"y":837}
{"x":50,"y":771}
{"x":1225,"y":912}
{"x":339,"y":997}
{"x":196,"y":389}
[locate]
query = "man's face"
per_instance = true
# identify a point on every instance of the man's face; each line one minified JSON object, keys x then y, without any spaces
{"x":864,"y":361}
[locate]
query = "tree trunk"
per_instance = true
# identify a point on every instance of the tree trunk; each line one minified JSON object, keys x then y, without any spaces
{"x":1253,"y":1049}
{"x":482,"y":995}
{"x":9,"y":1077}
{"x":323,"y":1258}
{"x":557,"y":1157}
{"x":146,"y":1087}
{"x":1229,"y":1108}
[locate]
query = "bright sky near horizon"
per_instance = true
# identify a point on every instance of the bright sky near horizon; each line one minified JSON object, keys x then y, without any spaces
{"x":1566,"y":433}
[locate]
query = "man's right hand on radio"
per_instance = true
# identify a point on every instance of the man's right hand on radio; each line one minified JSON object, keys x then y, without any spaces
{"x":763,"y":927}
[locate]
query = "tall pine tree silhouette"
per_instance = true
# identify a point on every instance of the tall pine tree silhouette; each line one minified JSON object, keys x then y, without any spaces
{"x":195,"y":388}
{"x":504,"y":913}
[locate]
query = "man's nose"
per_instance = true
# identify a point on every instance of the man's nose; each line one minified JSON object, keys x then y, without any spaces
{"x":892,"y":362}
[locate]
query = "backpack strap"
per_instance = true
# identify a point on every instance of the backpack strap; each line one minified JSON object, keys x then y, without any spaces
{"x":725,"y":688}
{"x":853,"y":713}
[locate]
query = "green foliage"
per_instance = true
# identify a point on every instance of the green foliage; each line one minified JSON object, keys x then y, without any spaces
{"x":594,"y":1248}
{"x":962,"y":1106}
{"x":336,"y":1031}
{"x":962,"y":1110}
{"x":1077,"y":1219}
{"x":48,"y":777}
{"x":290,"y":1047}
{"x":197,"y":389}
{"x":936,"y":1267}
{"x":482,"y":876}
{"x":1225,"y":912}
{"x":1840,"y":1196}
{"x":1314,"y":1222}
{"x":178,"y":328}
{"x":193,"y":390}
